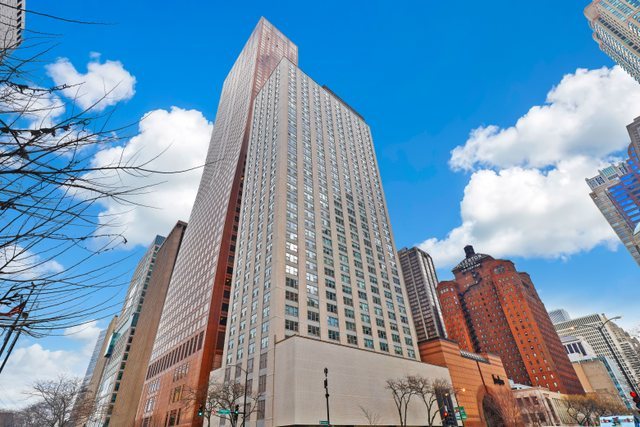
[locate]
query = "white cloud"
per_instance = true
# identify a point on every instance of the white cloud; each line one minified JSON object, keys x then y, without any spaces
{"x":172,"y":140}
{"x":33,"y":363}
{"x":527,"y":195}
{"x":585,"y":115}
{"x":23,"y":264}
{"x":40,"y":109}
{"x":528,"y":213}
{"x":104,"y":83}
{"x":86,"y":333}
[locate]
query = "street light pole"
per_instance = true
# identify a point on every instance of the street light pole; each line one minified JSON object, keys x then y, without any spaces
{"x":244,"y":399}
{"x":326,"y":392}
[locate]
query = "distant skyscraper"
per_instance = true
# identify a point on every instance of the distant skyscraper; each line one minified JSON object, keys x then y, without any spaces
{"x":560,"y":315}
{"x":616,"y":192}
{"x":144,"y":326}
{"x":94,"y":358}
{"x":85,"y":403}
{"x":420,"y":279}
{"x":191,"y":335}
{"x":123,"y":338}
{"x":616,"y":29}
{"x":624,"y":346}
{"x":12,"y":20}
{"x":491,"y":307}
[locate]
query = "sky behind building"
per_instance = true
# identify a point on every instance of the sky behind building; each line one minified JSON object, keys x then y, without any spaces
{"x":428,"y":81}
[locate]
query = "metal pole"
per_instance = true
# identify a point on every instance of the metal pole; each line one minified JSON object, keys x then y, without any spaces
{"x":13,"y":344}
{"x":244,"y":403}
{"x":326,"y":392}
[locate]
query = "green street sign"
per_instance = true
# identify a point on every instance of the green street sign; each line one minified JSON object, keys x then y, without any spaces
{"x":460,"y":412}
{"x":224,"y":411}
{"x":324,"y":422}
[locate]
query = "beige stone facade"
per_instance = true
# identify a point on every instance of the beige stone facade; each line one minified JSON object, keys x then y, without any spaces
{"x":356,"y":378}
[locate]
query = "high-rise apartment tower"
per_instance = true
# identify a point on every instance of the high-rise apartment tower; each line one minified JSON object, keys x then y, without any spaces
{"x":315,"y":256}
{"x":491,"y":307}
{"x":420,"y":279}
{"x":190,"y":338}
{"x":616,"y":29}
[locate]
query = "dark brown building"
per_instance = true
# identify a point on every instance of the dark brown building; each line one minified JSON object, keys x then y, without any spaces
{"x":490,"y":307}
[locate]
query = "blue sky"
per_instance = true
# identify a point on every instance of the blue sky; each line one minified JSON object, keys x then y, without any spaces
{"x":424,"y":74}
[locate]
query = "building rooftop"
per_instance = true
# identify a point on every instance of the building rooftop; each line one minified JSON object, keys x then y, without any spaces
{"x":472,"y":259}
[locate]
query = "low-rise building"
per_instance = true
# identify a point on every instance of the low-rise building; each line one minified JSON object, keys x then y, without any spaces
{"x":473,"y":376}
{"x":541,"y":407}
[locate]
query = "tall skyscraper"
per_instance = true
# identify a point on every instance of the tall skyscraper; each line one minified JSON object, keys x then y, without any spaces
{"x":12,"y":21}
{"x":625,"y":348}
{"x":123,"y":338}
{"x":420,"y":279}
{"x":491,"y":307}
{"x":616,"y":192}
{"x":616,"y":29}
{"x":190,"y":338}
{"x":559,"y":315}
{"x":316,"y":267}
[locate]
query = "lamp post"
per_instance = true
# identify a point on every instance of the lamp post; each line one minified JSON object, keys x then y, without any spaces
{"x":244,"y":400}
{"x":615,"y":356}
{"x":326,"y":392}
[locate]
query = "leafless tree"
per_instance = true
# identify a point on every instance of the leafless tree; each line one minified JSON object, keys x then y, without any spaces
{"x":217,"y":396}
{"x":55,"y":399}
{"x":586,"y":409}
{"x":433,"y":393}
{"x":372,"y":417}
{"x":501,"y":409}
{"x":402,"y":393}
{"x":52,"y":228}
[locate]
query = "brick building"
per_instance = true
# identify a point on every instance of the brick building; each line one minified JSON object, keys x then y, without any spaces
{"x":490,"y":307}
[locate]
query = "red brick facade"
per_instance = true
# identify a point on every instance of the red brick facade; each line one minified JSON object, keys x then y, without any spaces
{"x":492,"y":308}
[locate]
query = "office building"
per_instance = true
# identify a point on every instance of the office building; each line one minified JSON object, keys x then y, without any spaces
{"x":604,"y":337}
{"x":490,"y":307}
{"x":84,"y":407}
{"x":558,"y":316}
{"x":12,"y":23}
{"x":123,"y":340}
{"x":616,"y":29}
{"x":616,"y":192}
{"x":420,"y":280}
{"x":95,"y":355}
{"x":541,"y":407}
{"x":142,"y":331}
{"x":191,"y":335}
{"x":597,"y":374}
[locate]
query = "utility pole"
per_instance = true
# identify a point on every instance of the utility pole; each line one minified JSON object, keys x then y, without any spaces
{"x":326,"y":392}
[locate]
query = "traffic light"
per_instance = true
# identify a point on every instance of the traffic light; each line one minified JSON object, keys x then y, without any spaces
{"x":200,"y":411}
{"x":234,"y":414}
{"x":636,"y":399}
